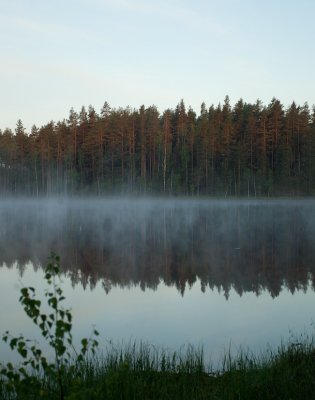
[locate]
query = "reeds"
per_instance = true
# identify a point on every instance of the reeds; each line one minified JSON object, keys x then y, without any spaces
{"x":138,"y":370}
{"x":142,"y":371}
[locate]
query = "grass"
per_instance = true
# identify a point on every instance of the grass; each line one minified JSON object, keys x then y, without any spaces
{"x":143,"y":372}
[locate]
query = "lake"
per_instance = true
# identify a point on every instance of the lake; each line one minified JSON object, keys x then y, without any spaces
{"x":221,"y":274}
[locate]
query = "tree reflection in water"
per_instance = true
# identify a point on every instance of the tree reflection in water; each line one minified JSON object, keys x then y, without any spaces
{"x":251,"y":246}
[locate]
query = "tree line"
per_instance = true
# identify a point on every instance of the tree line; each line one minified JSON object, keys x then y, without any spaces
{"x":244,"y":150}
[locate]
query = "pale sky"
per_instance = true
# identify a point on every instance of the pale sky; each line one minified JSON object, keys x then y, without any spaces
{"x":58,"y":54}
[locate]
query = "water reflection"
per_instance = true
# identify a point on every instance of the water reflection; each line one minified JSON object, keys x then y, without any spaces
{"x":250,"y":246}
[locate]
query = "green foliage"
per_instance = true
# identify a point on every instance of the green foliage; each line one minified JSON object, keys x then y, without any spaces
{"x":142,"y":371}
{"x":139,"y":151}
{"x":36,"y":369}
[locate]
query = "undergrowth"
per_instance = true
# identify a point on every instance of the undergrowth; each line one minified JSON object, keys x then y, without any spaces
{"x":139,"y":370}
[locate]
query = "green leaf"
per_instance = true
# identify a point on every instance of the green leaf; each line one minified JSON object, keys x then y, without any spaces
{"x":24,"y":292}
{"x":23,"y":352}
{"x":13,"y":343}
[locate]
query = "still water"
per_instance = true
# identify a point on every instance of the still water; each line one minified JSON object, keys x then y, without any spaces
{"x":217,"y":274}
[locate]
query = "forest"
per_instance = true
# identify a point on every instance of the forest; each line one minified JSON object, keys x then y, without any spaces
{"x":242,"y":150}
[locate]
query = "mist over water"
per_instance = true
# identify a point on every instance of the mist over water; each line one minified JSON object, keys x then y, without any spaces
{"x":247,"y":245}
{"x":208,"y":272}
